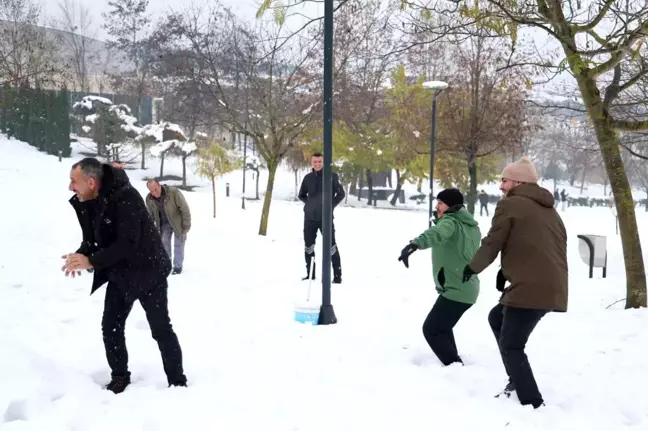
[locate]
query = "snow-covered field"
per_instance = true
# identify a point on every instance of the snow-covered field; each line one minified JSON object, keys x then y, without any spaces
{"x":251,"y":367}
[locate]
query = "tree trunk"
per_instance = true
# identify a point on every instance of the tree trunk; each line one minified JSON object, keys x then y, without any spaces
{"x":399,"y":186}
{"x":257,"y":183}
{"x":184,"y":171}
{"x":296,"y":171}
{"x":583,"y":179}
{"x":609,"y":143}
{"x":360,"y":185}
{"x":472,"y":188}
{"x":265,"y":213}
{"x":605,"y":184}
{"x":143,"y":147}
{"x":353,"y":188}
{"x":162,"y":165}
{"x":214,"y":194}
{"x":369,"y":187}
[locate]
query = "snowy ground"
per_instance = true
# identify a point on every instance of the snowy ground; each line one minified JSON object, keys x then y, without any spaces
{"x":251,"y":367}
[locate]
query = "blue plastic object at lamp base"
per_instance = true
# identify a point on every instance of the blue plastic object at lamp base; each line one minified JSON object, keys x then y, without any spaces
{"x":308,"y":314}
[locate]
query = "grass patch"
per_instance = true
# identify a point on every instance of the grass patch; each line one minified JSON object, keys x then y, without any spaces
{"x":164,"y":178}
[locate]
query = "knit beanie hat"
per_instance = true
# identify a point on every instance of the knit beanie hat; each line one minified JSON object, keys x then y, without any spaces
{"x":451,"y":197}
{"x":521,"y":171}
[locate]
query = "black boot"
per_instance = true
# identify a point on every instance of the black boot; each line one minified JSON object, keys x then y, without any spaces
{"x":510,"y":387}
{"x":309,"y":273}
{"x":337,"y":275}
{"x":118,"y":384}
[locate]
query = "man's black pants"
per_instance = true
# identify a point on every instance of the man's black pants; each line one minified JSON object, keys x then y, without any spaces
{"x":438,"y":326}
{"x":483,"y":207}
{"x":117,"y":307}
{"x":512,"y":327}
{"x":310,"y":235}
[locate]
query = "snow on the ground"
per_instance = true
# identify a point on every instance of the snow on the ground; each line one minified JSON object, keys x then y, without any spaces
{"x":251,"y":367}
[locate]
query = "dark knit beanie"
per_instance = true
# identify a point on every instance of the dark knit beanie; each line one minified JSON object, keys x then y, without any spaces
{"x":451,"y":197}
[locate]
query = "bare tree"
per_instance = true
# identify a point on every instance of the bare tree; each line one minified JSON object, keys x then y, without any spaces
{"x":129,"y":24}
{"x":482,"y":113}
{"x":297,"y":160}
{"x":76,"y":24}
{"x":27,"y":52}
{"x":279,"y":78}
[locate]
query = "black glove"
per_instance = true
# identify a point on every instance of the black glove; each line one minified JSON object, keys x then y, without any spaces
{"x":435,"y":216}
{"x":406,"y":252}
{"x":501,"y":281}
{"x":467,"y":273}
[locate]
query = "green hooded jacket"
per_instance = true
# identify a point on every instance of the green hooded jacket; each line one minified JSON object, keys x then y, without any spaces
{"x":454,"y":239}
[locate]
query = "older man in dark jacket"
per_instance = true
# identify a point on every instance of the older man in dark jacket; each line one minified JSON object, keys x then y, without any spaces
{"x":123,"y":248}
{"x":532,"y":239}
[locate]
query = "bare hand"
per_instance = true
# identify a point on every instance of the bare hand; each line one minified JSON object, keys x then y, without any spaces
{"x":74,"y":264}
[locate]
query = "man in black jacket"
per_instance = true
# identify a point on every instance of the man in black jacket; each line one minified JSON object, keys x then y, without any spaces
{"x":310,"y":194}
{"x":124,"y":249}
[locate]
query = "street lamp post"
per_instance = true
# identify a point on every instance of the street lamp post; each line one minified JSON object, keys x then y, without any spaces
{"x":327,"y":314}
{"x":437,"y":87}
{"x":245,"y":138}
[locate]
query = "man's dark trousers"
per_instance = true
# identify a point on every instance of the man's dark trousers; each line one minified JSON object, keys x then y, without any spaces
{"x":117,"y":307}
{"x":483,"y":207}
{"x":438,"y":326}
{"x":310,"y":235}
{"x":512,"y":327}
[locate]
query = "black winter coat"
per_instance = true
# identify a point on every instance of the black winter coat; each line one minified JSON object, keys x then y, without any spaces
{"x":310,"y":194}
{"x":119,"y":237}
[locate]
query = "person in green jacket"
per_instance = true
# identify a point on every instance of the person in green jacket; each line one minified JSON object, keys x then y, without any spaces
{"x":454,"y":238}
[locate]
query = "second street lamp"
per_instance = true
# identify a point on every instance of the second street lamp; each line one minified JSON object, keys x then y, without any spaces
{"x":437,"y":87}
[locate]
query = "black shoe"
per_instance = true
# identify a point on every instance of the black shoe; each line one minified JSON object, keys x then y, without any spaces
{"x":177,"y":271}
{"x":118,"y":384}
{"x":537,"y":403}
{"x":510,"y":387}
{"x":178,"y":384}
{"x":337,"y":279}
{"x":310,"y":274}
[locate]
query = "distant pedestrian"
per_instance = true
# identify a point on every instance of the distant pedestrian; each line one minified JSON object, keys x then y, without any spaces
{"x":454,"y":239}
{"x":310,"y":193}
{"x":563,"y":198}
{"x":123,"y":248}
{"x":171,"y":215}
{"x":531,"y":236}
{"x":483,"y":203}
{"x":556,"y":198}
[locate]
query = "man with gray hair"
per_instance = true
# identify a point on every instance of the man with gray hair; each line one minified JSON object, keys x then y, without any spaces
{"x":123,"y":248}
{"x":171,"y":215}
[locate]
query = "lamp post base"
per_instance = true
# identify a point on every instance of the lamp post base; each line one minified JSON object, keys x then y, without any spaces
{"x":327,"y":315}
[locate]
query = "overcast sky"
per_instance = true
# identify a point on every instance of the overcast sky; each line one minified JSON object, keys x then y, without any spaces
{"x":243,"y":8}
{"x":246,"y":10}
